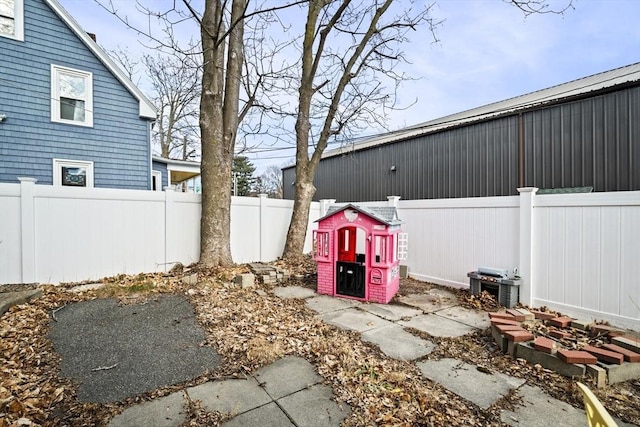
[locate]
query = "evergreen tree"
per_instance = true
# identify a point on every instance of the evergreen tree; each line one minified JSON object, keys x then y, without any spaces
{"x":242,"y":178}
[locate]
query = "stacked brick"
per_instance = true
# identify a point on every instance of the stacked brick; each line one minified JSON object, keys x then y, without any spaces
{"x":269,"y":275}
{"x":616,"y":360}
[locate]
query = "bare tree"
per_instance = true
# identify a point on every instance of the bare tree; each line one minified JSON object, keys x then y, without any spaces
{"x":347,"y":49}
{"x":270,"y":182}
{"x":222,"y":32}
{"x":175,"y":81}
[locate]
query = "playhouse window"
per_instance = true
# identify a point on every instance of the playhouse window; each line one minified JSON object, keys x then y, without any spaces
{"x":381,"y":249}
{"x":321,"y":245}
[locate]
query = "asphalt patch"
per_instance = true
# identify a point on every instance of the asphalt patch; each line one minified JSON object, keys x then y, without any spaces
{"x":154,"y":344}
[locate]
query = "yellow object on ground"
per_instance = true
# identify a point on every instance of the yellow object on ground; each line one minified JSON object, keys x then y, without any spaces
{"x":597,"y":415}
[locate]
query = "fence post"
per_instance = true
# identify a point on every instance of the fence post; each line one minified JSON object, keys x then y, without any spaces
{"x":27,"y":229}
{"x":527,"y":244}
{"x":393,"y":201}
{"x":263,"y":224}
{"x":324,"y":206}
{"x":169,"y":217}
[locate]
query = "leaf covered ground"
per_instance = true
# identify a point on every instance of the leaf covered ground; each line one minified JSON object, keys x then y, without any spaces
{"x":251,"y":328}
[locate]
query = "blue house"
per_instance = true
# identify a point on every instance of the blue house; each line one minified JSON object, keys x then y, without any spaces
{"x":68,"y":115}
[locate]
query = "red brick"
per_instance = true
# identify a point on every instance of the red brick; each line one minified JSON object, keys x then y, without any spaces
{"x":504,"y":322}
{"x":560,"y":334}
{"x":518,"y":336}
{"x":629,"y":356}
{"x":518,"y":316}
{"x":605,"y":355}
{"x":545,"y":345}
{"x":576,"y":356}
{"x":504,"y":328}
{"x":543,"y":315}
{"x":561,"y":322}
{"x":506,"y":316}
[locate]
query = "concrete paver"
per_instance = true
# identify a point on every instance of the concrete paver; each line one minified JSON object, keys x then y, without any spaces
{"x":467,"y":382}
{"x":166,"y":411}
{"x":438,"y":326}
{"x":294,"y":292}
{"x":535,"y":403}
{"x":326,"y":304}
{"x":476,"y":319}
{"x":314,"y":407}
{"x":86,"y":287}
{"x":354,"y":320}
{"x":269,"y":415}
{"x":397,"y":343}
{"x":429,"y":302}
{"x":391,"y":312}
{"x":235,"y":396}
{"x":286,"y":376}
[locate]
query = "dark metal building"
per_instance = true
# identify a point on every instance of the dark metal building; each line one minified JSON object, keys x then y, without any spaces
{"x":585,"y":133}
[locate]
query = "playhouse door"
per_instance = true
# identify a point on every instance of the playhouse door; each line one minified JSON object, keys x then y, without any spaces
{"x":347,"y":244}
{"x":350,"y":279}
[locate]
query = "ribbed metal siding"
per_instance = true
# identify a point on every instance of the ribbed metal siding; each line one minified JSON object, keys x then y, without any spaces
{"x":592,"y":142}
{"x":475,"y":160}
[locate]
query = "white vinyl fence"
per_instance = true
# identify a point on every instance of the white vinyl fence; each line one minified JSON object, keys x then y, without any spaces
{"x":61,"y":234}
{"x":576,"y":253}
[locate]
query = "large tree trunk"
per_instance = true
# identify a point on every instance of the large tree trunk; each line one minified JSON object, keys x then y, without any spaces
{"x":305,"y":167}
{"x":218,"y":126}
{"x":299,"y":218}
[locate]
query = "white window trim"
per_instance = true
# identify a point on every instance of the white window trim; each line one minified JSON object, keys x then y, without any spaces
{"x":56,"y":70}
{"x":158,"y":176}
{"x":58,"y":164}
{"x":18,"y":22}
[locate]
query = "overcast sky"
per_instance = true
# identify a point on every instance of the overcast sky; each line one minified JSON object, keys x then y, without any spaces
{"x":487,"y":51}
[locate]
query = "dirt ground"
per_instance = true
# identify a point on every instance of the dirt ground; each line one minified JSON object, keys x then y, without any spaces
{"x":251,"y":328}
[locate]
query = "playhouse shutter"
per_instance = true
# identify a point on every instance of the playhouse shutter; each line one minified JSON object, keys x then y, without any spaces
{"x":403,"y":246}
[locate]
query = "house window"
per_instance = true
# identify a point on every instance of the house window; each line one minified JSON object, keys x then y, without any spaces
{"x":156,"y":181}
{"x":71,"y":96}
{"x":12,"y":19}
{"x":72,"y":173}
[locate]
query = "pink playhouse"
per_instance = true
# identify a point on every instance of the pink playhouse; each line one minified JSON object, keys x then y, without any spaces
{"x":357,"y":252}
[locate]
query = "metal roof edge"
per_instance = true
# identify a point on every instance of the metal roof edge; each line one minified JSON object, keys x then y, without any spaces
{"x":146,"y":108}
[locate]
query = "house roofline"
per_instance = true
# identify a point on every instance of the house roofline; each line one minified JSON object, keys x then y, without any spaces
{"x":146,"y":108}
{"x":175,"y":162}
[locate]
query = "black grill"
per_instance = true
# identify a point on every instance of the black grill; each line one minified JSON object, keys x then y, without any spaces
{"x":504,"y":288}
